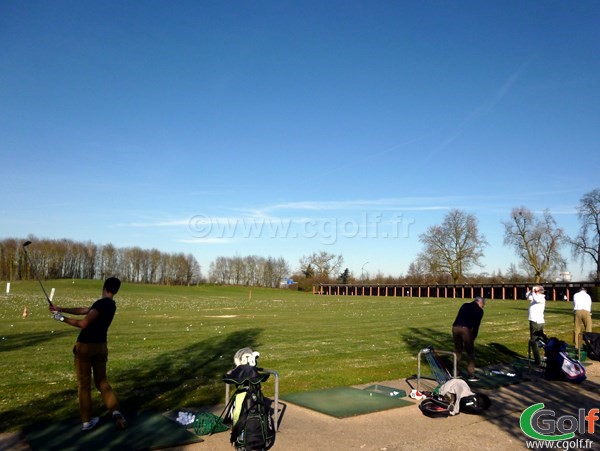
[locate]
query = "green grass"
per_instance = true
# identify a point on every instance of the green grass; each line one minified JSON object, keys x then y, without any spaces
{"x":169,"y":346}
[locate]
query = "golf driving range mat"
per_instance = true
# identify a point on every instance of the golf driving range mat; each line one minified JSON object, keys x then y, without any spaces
{"x":490,"y":378}
{"x":145,"y":431}
{"x":342,"y":402}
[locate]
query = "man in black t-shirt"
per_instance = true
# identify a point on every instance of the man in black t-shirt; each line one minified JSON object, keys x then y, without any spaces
{"x":464,"y":333}
{"x":91,"y":352}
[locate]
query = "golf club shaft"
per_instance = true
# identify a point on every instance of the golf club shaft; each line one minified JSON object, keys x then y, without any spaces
{"x":27,"y":243}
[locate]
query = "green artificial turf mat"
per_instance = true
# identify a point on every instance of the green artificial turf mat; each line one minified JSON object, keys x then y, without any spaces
{"x":146,"y":431}
{"x":491,"y":378}
{"x":386,"y":391}
{"x":341,"y":402}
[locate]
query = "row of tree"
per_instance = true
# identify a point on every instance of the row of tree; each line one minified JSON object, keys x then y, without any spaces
{"x":60,"y":259}
{"x":456,"y":246}
{"x":250,"y":271}
{"x":451,"y":250}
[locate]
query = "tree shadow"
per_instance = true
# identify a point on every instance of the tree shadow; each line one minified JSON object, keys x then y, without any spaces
{"x":557,"y":311}
{"x":191,"y":375}
{"x":172,"y":379}
{"x":18,"y":341}
{"x":489,"y":354}
{"x":561,"y":397}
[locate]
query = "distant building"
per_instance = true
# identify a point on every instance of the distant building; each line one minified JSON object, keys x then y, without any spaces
{"x":288,"y":283}
{"x":565,"y":276}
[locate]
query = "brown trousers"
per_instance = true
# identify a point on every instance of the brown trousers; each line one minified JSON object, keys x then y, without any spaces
{"x":91,"y":358}
{"x":463,"y":340}
{"x":583,"y":323}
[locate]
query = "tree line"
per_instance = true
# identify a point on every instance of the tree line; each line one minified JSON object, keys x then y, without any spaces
{"x":249,"y":271}
{"x":450,"y":253}
{"x":61,"y":259}
{"x":456,"y":246}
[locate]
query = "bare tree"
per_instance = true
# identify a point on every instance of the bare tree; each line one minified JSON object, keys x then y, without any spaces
{"x":419,"y":271}
{"x":587,"y":242}
{"x":537,"y":242}
{"x":455,"y":246}
{"x":249,"y":271}
{"x":322,"y":264}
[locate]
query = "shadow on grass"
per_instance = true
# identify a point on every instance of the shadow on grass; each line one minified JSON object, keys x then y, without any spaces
{"x":490,"y":354}
{"x":189,"y":376}
{"x":18,"y":341}
{"x":558,"y":311}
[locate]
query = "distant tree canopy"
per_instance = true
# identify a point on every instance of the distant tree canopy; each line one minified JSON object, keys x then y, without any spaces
{"x":587,"y":242}
{"x":537,"y":242}
{"x":452,"y":248}
{"x":60,"y":259}
{"x":249,"y":271}
{"x":344,"y":277}
{"x":450,"y":252}
{"x":321,"y":265}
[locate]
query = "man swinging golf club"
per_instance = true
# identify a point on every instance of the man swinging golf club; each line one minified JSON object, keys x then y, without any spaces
{"x":91,"y":352}
{"x":464,"y":332}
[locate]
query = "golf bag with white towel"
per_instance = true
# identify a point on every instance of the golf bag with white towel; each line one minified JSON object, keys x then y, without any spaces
{"x":453,"y":397}
{"x":248,"y":412}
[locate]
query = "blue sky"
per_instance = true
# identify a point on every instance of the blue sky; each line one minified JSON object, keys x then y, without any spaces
{"x":283,"y":128}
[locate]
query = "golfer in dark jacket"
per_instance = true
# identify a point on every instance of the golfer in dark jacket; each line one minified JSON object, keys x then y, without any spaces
{"x":91,"y":352}
{"x":464,"y":333}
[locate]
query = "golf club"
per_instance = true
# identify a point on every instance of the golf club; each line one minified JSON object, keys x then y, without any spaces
{"x":25,"y":244}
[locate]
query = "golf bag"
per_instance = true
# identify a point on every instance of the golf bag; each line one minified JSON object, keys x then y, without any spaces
{"x":452,"y":398}
{"x":592,"y":344}
{"x":559,"y":366}
{"x":248,"y":413}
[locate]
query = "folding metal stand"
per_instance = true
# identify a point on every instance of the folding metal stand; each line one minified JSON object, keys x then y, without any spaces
{"x":440,"y":372}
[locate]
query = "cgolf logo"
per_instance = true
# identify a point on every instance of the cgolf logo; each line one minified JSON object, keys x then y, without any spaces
{"x":540,"y":424}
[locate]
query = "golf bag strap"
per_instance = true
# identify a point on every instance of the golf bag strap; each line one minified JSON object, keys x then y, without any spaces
{"x":227,"y":408}
{"x":240,"y":423}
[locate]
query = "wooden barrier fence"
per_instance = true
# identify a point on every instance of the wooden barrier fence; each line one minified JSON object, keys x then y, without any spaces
{"x":555,"y":291}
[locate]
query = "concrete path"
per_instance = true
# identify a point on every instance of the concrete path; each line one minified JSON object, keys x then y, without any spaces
{"x":407,"y":428}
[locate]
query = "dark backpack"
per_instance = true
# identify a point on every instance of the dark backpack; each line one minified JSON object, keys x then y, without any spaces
{"x":475,"y":404}
{"x":249,"y":412}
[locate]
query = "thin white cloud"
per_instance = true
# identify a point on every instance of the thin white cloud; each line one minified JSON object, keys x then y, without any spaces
{"x":412,"y":203}
{"x":206,"y":241}
{"x":170,"y":223}
{"x":290,"y":213}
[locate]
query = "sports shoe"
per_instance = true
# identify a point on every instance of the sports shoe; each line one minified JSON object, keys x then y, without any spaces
{"x":416,"y":394}
{"x":120,"y":420}
{"x":473,"y":378}
{"x":89,"y":425}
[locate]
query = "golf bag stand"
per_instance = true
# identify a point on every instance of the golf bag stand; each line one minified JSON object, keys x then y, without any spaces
{"x":440,"y":372}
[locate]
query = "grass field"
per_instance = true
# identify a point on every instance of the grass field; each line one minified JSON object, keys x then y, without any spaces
{"x":169,"y":346}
